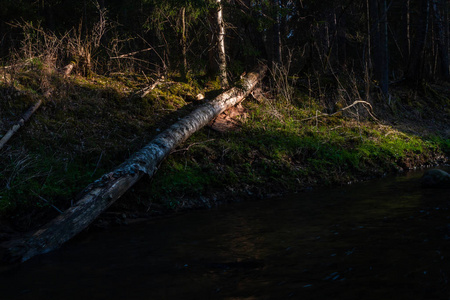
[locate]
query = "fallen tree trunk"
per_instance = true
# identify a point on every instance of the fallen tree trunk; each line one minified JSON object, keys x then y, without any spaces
{"x":20,"y":123}
{"x":99,"y":195}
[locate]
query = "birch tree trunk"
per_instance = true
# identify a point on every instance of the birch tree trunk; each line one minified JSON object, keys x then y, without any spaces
{"x":99,"y":195}
{"x":221,"y":47}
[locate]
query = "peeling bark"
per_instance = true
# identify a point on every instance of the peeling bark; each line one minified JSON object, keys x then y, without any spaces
{"x":99,"y":195}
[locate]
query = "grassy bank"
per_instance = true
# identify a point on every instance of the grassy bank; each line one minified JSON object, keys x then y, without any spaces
{"x":87,"y":126}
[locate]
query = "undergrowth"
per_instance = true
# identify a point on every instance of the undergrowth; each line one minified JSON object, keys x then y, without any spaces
{"x":88,"y":126}
{"x":280,"y":154}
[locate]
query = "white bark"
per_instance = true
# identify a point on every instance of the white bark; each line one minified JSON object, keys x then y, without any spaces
{"x":99,"y":195}
{"x":19,"y":124}
{"x":221,"y":47}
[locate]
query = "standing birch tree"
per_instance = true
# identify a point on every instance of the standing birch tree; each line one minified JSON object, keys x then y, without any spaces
{"x":221,"y":46}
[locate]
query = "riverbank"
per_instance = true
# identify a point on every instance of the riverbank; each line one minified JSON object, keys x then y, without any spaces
{"x":274,"y":144}
{"x":370,"y":240}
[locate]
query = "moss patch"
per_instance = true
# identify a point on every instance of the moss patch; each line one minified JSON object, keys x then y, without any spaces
{"x":90,"y":125}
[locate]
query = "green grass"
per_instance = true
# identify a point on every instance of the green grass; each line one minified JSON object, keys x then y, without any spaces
{"x":441,"y":143}
{"x":286,"y":154}
{"x":33,"y":177}
{"x":92,"y":125}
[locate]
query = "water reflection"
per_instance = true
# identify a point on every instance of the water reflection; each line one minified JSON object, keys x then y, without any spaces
{"x":378,"y":240}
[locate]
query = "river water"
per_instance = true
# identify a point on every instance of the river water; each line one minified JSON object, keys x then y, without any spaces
{"x":385,"y":239}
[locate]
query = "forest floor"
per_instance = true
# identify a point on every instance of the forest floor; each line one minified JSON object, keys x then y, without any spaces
{"x":269,"y":146}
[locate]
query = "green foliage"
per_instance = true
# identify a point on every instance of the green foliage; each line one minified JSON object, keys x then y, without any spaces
{"x":31,"y":177}
{"x":179,"y":180}
{"x":93,"y":124}
{"x":167,"y":13}
{"x":441,"y":143}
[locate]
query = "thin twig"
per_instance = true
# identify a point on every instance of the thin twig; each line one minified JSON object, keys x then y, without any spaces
{"x":342,"y":109}
{"x":146,"y":78}
{"x":45,"y":200}
{"x":98,"y":163}
{"x":131,"y":53}
{"x":148,"y":89}
{"x":193,"y":144}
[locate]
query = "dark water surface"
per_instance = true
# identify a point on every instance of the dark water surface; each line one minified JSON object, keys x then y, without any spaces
{"x":387,"y":239}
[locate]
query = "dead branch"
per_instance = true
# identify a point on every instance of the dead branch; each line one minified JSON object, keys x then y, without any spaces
{"x":343,"y":109}
{"x":20,"y":123}
{"x":191,"y":145}
{"x":48,"y":202}
{"x":148,"y":89}
{"x":131,"y":53}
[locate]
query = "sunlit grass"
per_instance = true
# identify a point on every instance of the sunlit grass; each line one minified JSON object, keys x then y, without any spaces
{"x":90,"y":125}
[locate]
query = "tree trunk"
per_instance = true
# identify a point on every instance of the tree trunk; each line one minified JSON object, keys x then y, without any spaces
{"x":375,"y":39}
{"x":416,"y":67}
{"x":447,"y":26}
{"x":341,"y":44}
{"x":212,"y":67}
{"x":368,"y":58}
{"x":276,"y":33}
{"x":221,"y":47}
{"x":406,"y":31}
{"x":442,"y":45}
{"x":183,"y":43}
{"x":384,"y":63}
{"x":99,"y":195}
{"x":379,"y":42}
{"x":253,"y":34}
